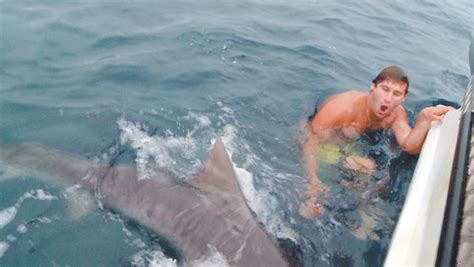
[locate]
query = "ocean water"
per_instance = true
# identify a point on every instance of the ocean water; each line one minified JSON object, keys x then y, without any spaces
{"x":152,"y":83}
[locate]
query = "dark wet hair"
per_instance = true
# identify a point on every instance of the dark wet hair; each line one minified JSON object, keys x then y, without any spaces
{"x":393,"y":73}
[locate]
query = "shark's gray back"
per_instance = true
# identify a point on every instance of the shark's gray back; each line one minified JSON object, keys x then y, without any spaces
{"x":207,"y":212}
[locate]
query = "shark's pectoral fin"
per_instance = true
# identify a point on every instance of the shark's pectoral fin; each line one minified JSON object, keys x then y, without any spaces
{"x":80,"y":202}
{"x":218,"y":173}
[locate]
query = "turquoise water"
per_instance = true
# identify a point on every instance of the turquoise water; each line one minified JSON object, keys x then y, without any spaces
{"x":97,"y":78}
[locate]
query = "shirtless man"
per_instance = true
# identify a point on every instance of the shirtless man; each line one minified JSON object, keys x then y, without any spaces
{"x":353,"y":113}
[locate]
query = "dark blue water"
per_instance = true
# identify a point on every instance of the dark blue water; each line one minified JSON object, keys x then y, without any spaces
{"x":99,"y":78}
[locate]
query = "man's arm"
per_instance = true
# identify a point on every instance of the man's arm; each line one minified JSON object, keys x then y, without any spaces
{"x":309,"y":156}
{"x":320,"y":128}
{"x":309,"y":208}
{"x":411,"y":140}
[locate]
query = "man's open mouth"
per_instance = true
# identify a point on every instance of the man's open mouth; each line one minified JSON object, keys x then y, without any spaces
{"x":383,"y":108}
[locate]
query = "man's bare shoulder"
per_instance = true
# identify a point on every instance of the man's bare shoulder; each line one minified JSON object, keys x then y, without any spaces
{"x":344,"y":99}
{"x":339,"y":109}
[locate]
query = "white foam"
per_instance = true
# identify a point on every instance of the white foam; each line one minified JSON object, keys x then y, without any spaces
{"x":168,"y":151}
{"x":145,"y":146}
{"x":22,"y":228}
{"x":201,"y":119}
{"x":42,"y":195}
{"x":44,"y":219}
{"x":7,"y":215}
{"x":228,"y":110}
{"x":162,"y":261}
{"x":161,"y":151}
{"x":38,"y":194}
{"x":11,"y":238}
{"x":137,"y":242}
{"x":24,"y":197}
{"x":3,"y":248}
{"x":255,"y":200}
{"x":229,"y":138}
{"x":215,"y":259}
{"x":245,"y":178}
{"x":152,"y":258}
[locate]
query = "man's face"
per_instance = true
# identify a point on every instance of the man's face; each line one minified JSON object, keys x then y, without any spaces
{"x":386,"y":96}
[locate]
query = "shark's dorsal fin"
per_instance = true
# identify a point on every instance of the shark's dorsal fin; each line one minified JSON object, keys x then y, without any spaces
{"x":218,"y":172}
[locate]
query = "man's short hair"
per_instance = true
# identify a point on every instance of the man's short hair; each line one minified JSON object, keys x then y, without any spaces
{"x":393,"y":73}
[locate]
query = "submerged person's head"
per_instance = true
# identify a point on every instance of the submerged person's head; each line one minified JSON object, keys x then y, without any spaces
{"x":394,"y":74}
{"x":388,"y":90}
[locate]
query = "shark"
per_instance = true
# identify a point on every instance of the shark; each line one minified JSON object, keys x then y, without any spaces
{"x":204,"y":213}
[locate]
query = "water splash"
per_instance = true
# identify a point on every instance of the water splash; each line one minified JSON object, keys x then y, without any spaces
{"x":8,"y":214}
{"x":214,"y":259}
{"x":259,"y":200}
{"x":152,"y":258}
{"x":181,"y":155}
{"x":3,"y":248}
{"x":155,"y":151}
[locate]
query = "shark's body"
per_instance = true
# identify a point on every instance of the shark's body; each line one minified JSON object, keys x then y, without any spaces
{"x":206,"y":212}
